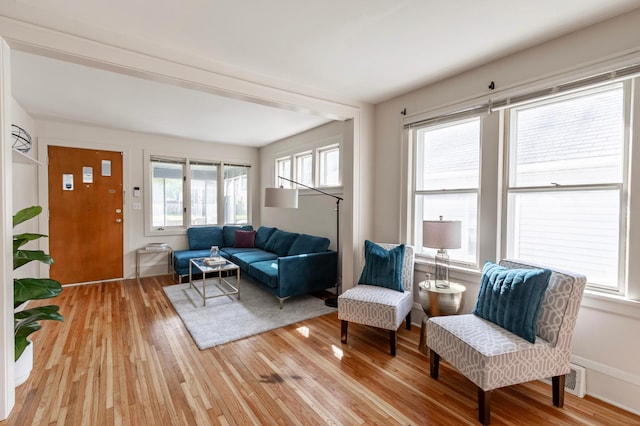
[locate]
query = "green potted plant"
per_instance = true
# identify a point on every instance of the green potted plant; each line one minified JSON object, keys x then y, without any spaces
{"x":27,"y":321}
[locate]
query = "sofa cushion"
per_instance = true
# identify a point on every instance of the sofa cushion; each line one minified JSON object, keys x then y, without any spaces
{"x":383,"y":267}
{"x":244,"y":239}
{"x":266,"y":272}
{"x":511,"y":298}
{"x":229,"y":252}
{"x":203,"y":237}
{"x":181,"y":258}
{"x":244,"y":259}
{"x":280,"y":242}
{"x":229,"y":232}
{"x":262,"y":236}
{"x":308,"y":244}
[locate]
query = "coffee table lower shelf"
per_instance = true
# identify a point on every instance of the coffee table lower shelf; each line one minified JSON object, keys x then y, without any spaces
{"x":201,"y":268}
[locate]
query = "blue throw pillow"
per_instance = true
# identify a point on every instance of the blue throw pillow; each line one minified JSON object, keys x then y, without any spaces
{"x":512,"y":298}
{"x":280,"y":242}
{"x":309,"y":244}
{"x":262,"y":236}
{"x":382,"y":267}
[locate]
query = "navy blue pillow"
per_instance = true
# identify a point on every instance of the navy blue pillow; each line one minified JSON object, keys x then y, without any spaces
{"x":512,"y":298}
{"x":382,"y":267}
{"x":308,"y":244}
{"x":280,"y":242}
{"x":262,"y":236}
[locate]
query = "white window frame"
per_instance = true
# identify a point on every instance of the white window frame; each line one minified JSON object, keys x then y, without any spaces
{"x":416,"y":211}
{"x":492,"y":210}
{"x":150,"y":230}
{"x":321,"y":169}
{"x":315,"y":152}
{"x":622,"y":187}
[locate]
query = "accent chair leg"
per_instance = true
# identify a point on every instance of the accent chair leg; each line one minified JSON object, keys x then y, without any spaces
{"x":343,"y":334}
{"x":434,"y":363}
{"x":392,"y":341}
{"x":484,"y":406}
{"x":557,"y":385}
{"x":407,"y":321}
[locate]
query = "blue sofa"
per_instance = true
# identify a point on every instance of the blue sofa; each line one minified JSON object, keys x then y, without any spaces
{"x":285,"y":263}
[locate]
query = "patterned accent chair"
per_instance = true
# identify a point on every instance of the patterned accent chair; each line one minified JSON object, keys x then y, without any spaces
{"x":377,"y":306}
{"x":492,"y":357}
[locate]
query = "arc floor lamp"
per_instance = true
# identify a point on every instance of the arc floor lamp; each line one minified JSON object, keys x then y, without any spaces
{"x":288,"y":198}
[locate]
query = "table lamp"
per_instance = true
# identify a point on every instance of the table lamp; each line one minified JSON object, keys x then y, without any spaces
{"x":441,"y":235}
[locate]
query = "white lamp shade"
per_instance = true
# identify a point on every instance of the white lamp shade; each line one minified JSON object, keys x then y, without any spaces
{"x":441,"y":234}
{"x":281,"y":197}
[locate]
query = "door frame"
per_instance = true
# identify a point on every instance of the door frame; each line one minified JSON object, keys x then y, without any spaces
{"x":43,"y":190}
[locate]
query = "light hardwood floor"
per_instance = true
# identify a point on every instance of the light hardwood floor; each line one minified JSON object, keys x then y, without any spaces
{"x":123,"y":356}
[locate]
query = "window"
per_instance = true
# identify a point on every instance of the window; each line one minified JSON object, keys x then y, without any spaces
{"x":315,"y":168}
{"x":193,"y":192}
{"x":236,"y":194}
{"x":565,"y":199}
{"x":329,"y":168}
{"x":304,"y":168}
{"x":167,"y":193}
{"x":447,"y":180}
{"x":283,"y":168}
{"x":555,"y":174}
{"x":204,"y":194}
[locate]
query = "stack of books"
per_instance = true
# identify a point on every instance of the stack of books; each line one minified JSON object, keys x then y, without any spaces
{"x":157,"y":246}
{"x":214,"y":261}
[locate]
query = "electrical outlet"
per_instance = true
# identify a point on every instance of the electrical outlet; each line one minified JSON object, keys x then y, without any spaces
{"x":137,"y":206}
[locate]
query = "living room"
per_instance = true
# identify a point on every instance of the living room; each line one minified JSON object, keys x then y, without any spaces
{"x":375,"y":152}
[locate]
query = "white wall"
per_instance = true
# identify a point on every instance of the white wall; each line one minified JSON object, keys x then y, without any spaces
{"x":606,"y":340}
{"x":25,"y":183}
{"x":133,"y":145}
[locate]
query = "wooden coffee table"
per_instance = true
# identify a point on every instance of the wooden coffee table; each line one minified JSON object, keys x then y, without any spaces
{"x":226,"y":288}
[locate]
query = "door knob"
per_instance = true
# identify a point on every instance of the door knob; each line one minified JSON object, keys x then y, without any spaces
{"x":118,"y":220}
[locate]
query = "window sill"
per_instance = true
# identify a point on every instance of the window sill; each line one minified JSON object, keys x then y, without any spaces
{"x":612,"y":304}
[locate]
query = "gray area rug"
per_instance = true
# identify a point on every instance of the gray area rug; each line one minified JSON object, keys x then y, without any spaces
{"x":225,"y":319}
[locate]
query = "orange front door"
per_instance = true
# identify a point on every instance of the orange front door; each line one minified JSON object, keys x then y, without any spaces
{"x":85,"y":214}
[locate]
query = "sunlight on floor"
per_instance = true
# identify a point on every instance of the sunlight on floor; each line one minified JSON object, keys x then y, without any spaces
{"x":303,"y":330}
{"x":337,"y":352}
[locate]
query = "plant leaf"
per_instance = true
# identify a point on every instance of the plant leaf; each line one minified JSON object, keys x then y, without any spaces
{"x":22,"y":257}
{"x":21,"y":341}
{"x":34,"y":288}
{"x":21,"y":239}
{"x":24,"y":318}
{"x":26,"y":214}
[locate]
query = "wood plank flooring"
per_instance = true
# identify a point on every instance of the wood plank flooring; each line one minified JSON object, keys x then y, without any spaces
{"x":123,"y":357}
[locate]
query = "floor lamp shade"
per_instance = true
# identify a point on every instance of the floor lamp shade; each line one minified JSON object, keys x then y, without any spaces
{"x":281,"y":197}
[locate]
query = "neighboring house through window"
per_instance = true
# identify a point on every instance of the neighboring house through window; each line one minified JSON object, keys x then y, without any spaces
{"x":187,"y":192}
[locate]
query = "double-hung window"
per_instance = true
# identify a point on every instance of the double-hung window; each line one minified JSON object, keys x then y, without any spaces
{"x":447,"y":180}
{"x":186,"y":192}
{"x":567,"y":179}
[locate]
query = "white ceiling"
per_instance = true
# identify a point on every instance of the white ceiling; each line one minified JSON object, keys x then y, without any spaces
{"x":355,"y":51}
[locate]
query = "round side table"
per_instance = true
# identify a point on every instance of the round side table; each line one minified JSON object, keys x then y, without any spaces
{"x":438,"y":301}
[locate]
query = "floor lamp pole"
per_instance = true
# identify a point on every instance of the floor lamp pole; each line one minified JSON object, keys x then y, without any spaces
{"x":333,"y":301}
{"x":330,"y":301}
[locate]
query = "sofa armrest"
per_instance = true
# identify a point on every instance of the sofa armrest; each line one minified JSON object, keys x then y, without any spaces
{"x":305,"y":273}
